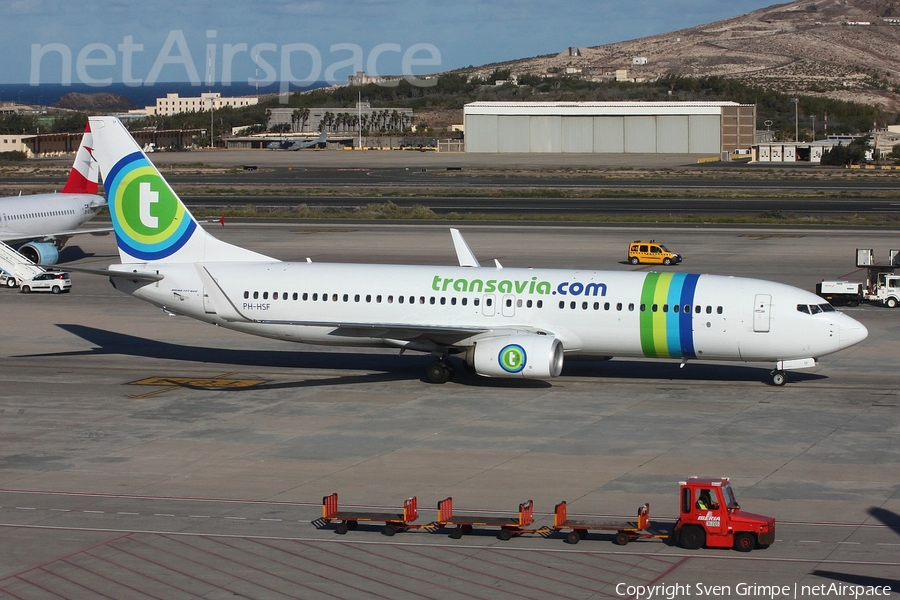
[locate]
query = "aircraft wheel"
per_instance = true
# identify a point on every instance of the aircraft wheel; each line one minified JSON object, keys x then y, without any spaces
{"x":572,"y":537}
{"x":438,"y":372}
{"x":779,"y":378}
{"x":622,"y":538}
{"x":634,"y":260}
{"x":744,"y":542}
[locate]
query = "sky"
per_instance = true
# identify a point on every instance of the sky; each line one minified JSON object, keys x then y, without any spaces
{"x":98,"y":42}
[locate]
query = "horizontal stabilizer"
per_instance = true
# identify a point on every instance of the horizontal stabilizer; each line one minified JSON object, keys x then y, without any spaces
{"x":129,"y":275}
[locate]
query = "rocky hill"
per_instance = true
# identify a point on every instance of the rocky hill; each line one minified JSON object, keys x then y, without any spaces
{"x":842,"y":49}
{"x":94,"y":102}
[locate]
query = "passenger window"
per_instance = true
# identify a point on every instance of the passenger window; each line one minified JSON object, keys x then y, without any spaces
{"x":508,"y":302}
{"x":518,"y":303}
{"x":606,"y":306}
{"x":665,"y":308}
{"x":315,"y":297}
{"x":619,"y":306}
{"x":334,"y":298}
{"x":687,"y":308}
{"x":465,"y":301}
{"x":719,"y":310}
{"x":378,"y":299}
{"x":572,"y":305}
{"x":584,"y":305}
{"x":596,"y":306}
{"x":709,"y":310}
{"x":284,"y":295}
{"x":390,"y":299}
{"x":453,"y":301}
{"x":305,"y":296}
{"x":540,"y":304}
{"x":296,"y":295}
{"x":256,"y":295}
{"x":476,"y":301}
{"x":675,"y":308}
{"x":400,"y":299}
{"x":528,"y":304}
{"x":368,"y":297}
{"x":246,"y":295}
{"x":444,"y":301}
{"x":654,"y":307}
{"x":631,"y":306}
{"x":324,"y":297}
{"x":698,"y":309}
{"x":421,"y":299}
{"x":356,"y":298}
{"x":562,"y":304}
{"x":265,"y":295}
{"x":487,"y":301}
{"x":346,"y":298}
{"x":431,"y":300}
{"x":643,"y":308}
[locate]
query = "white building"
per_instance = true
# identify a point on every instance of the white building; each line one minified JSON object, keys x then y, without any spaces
{"x":172,"y":104}
{"x":618,"y":127}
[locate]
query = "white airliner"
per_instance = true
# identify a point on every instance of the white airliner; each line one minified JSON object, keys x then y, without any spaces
{"x":505,"y":322}
{"x":45,"y":222}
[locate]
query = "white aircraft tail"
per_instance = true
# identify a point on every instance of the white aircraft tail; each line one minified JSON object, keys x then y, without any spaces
{"x":85,"y":173}
{"x":151,"y":222}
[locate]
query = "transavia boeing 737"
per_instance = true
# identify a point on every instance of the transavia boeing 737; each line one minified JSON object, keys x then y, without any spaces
{"x":505,"y":322}
{"x":45,"y":222}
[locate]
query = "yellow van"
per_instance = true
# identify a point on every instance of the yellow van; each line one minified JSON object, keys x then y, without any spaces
{"x":651,"y":253}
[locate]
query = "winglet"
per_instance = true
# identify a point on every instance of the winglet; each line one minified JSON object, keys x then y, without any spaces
{"x":463,"y":252}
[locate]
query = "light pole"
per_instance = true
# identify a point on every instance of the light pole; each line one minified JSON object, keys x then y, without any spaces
{"x":796,"y":102}
{"x":813,"y":117}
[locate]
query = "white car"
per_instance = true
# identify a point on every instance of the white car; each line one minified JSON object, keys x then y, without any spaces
{"x":53,"y":281}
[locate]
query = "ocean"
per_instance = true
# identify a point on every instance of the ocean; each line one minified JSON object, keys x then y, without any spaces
{"x":48,"y":94}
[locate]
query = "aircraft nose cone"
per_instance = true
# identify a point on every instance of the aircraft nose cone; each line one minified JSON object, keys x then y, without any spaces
{"x":852,"y":332}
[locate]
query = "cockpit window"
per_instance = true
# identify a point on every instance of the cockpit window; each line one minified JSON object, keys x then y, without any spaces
{"x":827,"y":308}
{"x":803,"y":308}
{"x":814,"y":309}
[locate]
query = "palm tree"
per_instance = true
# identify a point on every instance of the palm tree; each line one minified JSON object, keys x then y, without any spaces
{"x":295,"y":118}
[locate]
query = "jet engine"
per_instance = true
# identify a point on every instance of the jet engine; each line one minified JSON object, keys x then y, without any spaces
{"x":40,"y":253}
{"x":526,"y":355}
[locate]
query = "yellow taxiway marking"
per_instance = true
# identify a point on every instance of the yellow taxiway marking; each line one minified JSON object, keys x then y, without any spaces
{"x":217,"y":382}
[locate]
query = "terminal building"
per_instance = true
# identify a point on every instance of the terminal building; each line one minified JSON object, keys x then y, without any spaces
{"x":713,"y":128}
{"x":172,"y":104}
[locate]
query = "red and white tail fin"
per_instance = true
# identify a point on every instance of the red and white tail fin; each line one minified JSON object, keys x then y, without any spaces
{"x":85,"y":172}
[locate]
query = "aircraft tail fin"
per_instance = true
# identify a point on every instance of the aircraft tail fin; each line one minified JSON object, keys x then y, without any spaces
{"x":151,"y":222}
{"x":85,"y":172}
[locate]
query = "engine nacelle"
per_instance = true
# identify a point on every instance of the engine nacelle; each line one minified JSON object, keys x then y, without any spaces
{"x":526,"y":355}
{"x":40,"y":253}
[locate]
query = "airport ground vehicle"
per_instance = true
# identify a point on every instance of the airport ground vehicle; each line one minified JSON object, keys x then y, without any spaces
{"x":840,"y":292}
{"x":886,"y":290}
{"x":710,"y":516}
{"x":56,"y":282}
{"x":651,"y":253}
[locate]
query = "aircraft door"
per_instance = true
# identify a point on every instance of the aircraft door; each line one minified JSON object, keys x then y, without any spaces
{"x":488,"y":308}
{"x":761,"y":313}
{"x":508,"y":305}
{"x":208,"y":307}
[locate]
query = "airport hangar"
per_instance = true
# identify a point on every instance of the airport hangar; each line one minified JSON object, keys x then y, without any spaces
{"x":611,"y":127}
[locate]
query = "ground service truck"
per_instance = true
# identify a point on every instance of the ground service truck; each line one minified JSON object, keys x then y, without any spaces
{"x":840,"y":292}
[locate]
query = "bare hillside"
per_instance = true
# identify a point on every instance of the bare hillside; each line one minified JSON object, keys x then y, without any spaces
{"x":845,"y":49}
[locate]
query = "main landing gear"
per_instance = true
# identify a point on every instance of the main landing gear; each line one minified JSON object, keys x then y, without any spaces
{"x":777,"y":378}
{"x":439,"y":371}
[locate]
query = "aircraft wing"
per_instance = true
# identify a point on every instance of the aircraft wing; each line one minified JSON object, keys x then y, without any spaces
{"x":438,"y":334}
{"x":12,"y":236}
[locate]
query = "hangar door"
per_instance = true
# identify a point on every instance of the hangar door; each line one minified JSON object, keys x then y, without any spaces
{"x":705,"y":134}
{"x":481,"y":133}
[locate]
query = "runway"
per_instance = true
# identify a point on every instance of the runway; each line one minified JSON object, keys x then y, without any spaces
{"x":149,"y":456}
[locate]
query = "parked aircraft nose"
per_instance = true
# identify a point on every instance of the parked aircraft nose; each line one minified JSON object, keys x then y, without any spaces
{"x":851,"y":331}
